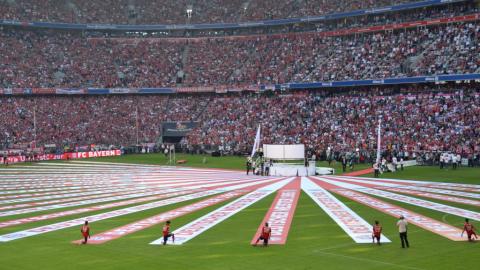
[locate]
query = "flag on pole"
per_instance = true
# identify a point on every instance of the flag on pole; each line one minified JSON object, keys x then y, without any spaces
{"x":256,"y":144}
{"x":379,"y":140}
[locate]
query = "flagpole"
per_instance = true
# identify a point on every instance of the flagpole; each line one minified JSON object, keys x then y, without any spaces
{"x":34,"y":127}
{"x":379,"y":140}
{"x":136,"y":123}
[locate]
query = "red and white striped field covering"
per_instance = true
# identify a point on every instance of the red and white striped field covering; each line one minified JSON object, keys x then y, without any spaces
{"x":406,"y":199}
{"x":85,"y":201}
{"x":78,"y":184}
{"x":422,"y":221}
{"x":280,"y":214}
{"x":200,"y":225}
{"x":54,"y":191}
{"x":386,"y":183}
{"x":355,"y":226}
{"x":441,"y":185}
{"x":148,"y":222}
{"x":411,"y":191}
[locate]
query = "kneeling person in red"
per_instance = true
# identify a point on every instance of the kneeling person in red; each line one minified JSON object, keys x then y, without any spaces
{"x":470,"y":229}
{"x":166,"y":233}
{"x":85,"y":230}
{"x":377,"y":232}
{"x":265,"y":235}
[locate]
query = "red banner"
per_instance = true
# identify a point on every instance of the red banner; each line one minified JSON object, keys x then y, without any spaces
{"x":94,"y":154}
{"x":76,"y":155}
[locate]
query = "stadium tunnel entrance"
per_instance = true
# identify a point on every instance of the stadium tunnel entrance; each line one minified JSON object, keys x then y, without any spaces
{"x":173,"y":132}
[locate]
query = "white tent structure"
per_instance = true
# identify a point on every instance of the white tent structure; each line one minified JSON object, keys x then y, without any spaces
{"x":288,"y":160}
{"x":284,"y":152}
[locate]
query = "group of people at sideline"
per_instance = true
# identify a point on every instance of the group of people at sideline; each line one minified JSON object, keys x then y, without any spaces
{"x":449,"y":159}
{"x":383,"y":165}
{"x":446,"y":160}
{"x":258,"y":166}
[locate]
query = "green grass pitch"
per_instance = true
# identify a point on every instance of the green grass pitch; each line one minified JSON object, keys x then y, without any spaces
{"x":314,"y":242}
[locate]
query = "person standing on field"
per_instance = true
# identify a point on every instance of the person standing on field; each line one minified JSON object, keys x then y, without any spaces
{"x":249,"y":165}
{"x":377,"y":232}
{"x":402,"y":229}
{"x":166,"y":233}
{"x":376,"y":169}
{"x":85,"y":230}
{"x":470,"y":229}
{"x":395,"y":162}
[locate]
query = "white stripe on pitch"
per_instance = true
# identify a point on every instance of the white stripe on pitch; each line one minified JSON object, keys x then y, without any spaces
{"x":355,"y":226}
{"x":409,"y":200}
{"x":200,"y":225}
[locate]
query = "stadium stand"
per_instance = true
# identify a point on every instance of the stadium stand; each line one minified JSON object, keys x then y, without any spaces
{"x":174,"y":11}
{"x":418,"y":118}
{"x":47,"y":59}
{"x":415,"y":122}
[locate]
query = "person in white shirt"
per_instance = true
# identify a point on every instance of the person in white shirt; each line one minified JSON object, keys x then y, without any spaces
{"x":449,"y":159}
{"x":394,"y":162}
{"x":402,"y":229}
{"x":383,"y":167}
{"x":454,"y":161}
{"x":376,"y":169}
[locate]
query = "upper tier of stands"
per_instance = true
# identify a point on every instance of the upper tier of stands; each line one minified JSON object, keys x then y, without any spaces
{"x":175,"y":11}
{"x":64,"y":59}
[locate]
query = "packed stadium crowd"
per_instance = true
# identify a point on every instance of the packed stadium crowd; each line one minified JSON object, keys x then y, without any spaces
{"x":51,"y":59}
{"x":32,"y":59}
{"x":412,"y":122}
{"x":110,"y":120}
{"x":416,"y":120}
{"x":175,"y":12}
{"x":446,"y":11}
{"x":443,"y":50}
{"x":61,"y":120}
{"x":425,"y":14}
